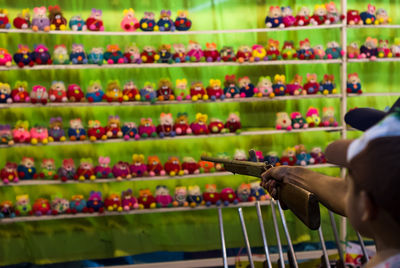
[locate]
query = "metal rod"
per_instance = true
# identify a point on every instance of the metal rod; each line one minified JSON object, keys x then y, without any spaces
{"x":324,"y":251}
{"x":363,"y":248}
{"x":286,"y":230}
{"x":264,"y":238}
{"x":221,"y":231}
{"x":246,"y":238}
{"x":278,"y":239}
{"x":336,"y":235}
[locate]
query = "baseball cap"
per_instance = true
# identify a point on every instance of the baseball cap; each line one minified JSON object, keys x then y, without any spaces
{"x":364,"y":118}
{"x":373,"y":161}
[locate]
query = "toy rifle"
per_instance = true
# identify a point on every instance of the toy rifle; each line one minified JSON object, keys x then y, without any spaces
{"x":301,"y":202}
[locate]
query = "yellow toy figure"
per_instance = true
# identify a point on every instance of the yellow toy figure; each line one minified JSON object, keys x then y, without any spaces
{"x":114,"y":92}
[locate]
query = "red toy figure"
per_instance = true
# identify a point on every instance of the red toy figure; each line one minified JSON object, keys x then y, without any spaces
{"x":164,"y":91}
{"x":181,"y":126}
{"x":154,"y":166}
{"x":228,"y":196}
{"x":211,"y":53}
{"x":384,"y":50}
{"x":273,"y":50}
{"x":198,"y":92}
{"x":57,"y":20}
{"x":113,"y":203}
{"x":233,"y":123}
{"x":23,"y":20}
{"x":75,"y":94}
{"x":214,"y":90}
{"x":113,"y":128}
{"x":130,"y":92}
{"x":149,"y":55}
{"x":215,"y":126}
{"x":94,"y":22}
{"x":96,"y":131}
{"x":303,"y":17}
{"x":244,"y":54}
{"x":146,"y":199}
{"x":121,"y":170}
{"x":9,"y":173}
{"x":289,"y":157}
{"x":353,"y":17}
{"x":165,"y":128}
{"x":312,"y":86}
{"x":199,"y":126}
{"x":85,"y":170}
{"x":20,"y":92}
{"x":190,"y":166}
{"x":173,"y":166}
{"x":57,"y":92}
{"x":320,"y":16}
{"x":211,"y":196}
{"x":39,"y":94}
{"x":129,"y":202}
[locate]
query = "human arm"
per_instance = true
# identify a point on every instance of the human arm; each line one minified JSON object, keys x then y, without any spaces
{"x":331,"y":191}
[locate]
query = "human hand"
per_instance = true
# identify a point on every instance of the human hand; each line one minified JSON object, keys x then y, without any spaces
{"x":271,"y":179}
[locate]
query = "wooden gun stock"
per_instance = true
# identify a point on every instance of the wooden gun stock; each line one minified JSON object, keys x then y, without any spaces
{"x":301,"y":202}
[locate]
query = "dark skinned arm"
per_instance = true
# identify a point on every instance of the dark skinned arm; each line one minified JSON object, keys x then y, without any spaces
{"x":331,"y":191}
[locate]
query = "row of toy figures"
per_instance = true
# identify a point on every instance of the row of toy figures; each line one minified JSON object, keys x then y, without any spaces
{"x":167,"y":127}
{"x":312,"y":119}
{"x":55,"y":20}
{"x":372,"y":49}
{"x":165,"y":91}
{"x":291,"y":156}
{"x":184,"y":196}
{"x":86,"y":170}
{"x":164,"y":54}
{"x":323,"y":14}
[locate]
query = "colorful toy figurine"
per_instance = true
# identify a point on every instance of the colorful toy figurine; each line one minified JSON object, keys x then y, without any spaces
{"x":353,"y":50}
{"x":147,"y":23}
{"x":77,"y":204}
{"x":288,"y":18}
{"x":273,"y":50}
{"x":147,"y":128}
{"x":327,"y":85}
{"x":96,"y":131}
{"x":39,"y":95}
{"x":173,"y":166}
{"x":138,"y":168}
{"x":227,"y":53}
{"x":243,"y":192}
{"x":165,"y":23}
{"x":41,"y":206}
{"x":312,"y":117}
{"x":94,"y":92}
{"x":23,"y":205}
{"x":247,"y":89}
{"x":95,"y":203}
{"x":4,"y":21}
{"x":199,"y":126}
{"x":21,"y":132}
{"x":76,"y":23}
{"x":258,"y":193}
{"x":211,"y":53}
{"x":149,"y":55}
{"x":333,"y":14}
{"x":383,"y":49}
{"x":114,"y":55}
{"x":283,"y":121}
{"x":154,"y":166}
{"x":128,"y":201}
{"x":214,"y":90}
{"x":190,"y":166}
{"x":180,"y":197}
{"x":231,"y":89}
{"x":318,"y":155}
{"x":39,"y":134}
{"x":85,"y":170}
{"x":41,"y":55}
{"x":279,"y":85}
{"x":303,"y":158}
{"x":294,"y":87}
{"x":328,"y":117}
{"x":130,"y":131}
{"x":305,"y":52}
{"x":320,"y":16}
{"x":288,"y":52}
{"x":302,"y":17}
{"x":57,"y":92}
{"x":7,"y":209}
{"x":113,"y":92}
{"x":76,"y":130}
{"x":369,"y":48}
{"x":23,"y":19}
{"x":181,"y":90}
{"x":78,"y":55}
{"x":181,"y":126}
{"x":57,"y":20}
{"x":94,"y":22}
{"x":353,"y":84}
{"x":194,"y":197}
{"x":233,"y":123}
{"x":103,"y":170}
{"x":56,"y":131}
{"x":298,"y":121}
{"x":59,"y":205}
{"x":163,"y":198}
{"x":5,"y":93}
{"x":165,"y":91}
{"x":244,"y":54}
{"x":113,"y":128}
{"x":26,"y":169}
{"x":146,"y":199}
{"x":9,"y":173}
{"x":23,"y":57}
{"x":182,"y":23}
{"x":75,"y":94}
{"x":274,"y":18}
{"x":165,"y":54}
{"x":121,"y":170}
{"x":228,"y":196}
{"x":289,"y":157}
{"x":60,"y":55}
{"x":40,"y":22}
{"x":311,"y":86}
{"x":264,"y":86}
{"x":96,"y":56}
{"x":67,"y":171}
{"x":333,"y":51}
{"x":132,"y":54}
{"x":211,"y":195}
{"x":353,"y":17}
{"x":259,"y":53}
{"x":382,"y":16}
{"x":165,"y":128}
{"x":197,"y":91}
{"x":195,"y":53}
{"x":129,"y":23}
{"x":6,"y":135}
{"x":368,"y":17}
{"x":5,"y":58}
{"x":180,"y":54}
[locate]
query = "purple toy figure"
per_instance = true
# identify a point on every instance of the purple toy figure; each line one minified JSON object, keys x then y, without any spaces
{"x":147,"y":128}
{"x":138,"y":167}
{"x":103,"y":170}
{"x":121,"y":170}
{"x":40,"y":21}
{"x":195,"y":52}
{"x":128,"y":200}
{"x":163,"y":198}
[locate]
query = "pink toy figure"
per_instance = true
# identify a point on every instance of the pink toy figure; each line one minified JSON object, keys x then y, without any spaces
{"x":39,"y":134}
{"x":195,"y":52}
{"x":129,"y":23}
{"x":94,"y":22}
{"x":39,"y":94}
{"x":21,"y":132}
{"x":211,"y":53}
{"x":288,"y":18}
{"x":138,"y":167}
{"x":5,"y":57}
{"x":295,"y":87}
{"x":121,"y":170}
{"x":128,"y":200}
{"x":163,"y":198}
{"x":103,"y":170}
{"x":332,"y":13}
{"x":312,"y":117}
{"x":147,"y":128}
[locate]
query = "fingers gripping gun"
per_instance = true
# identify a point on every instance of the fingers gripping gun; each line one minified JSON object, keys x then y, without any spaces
{"x":301,"y":202}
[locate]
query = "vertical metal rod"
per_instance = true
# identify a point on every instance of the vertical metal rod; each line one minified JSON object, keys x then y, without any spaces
{"x":363,"y":249}
{"x":289,"y":240}
{"x":324,"y":251}
{"x":336,"y":235}
{"x":221,"y":231}
{"x":264,"y":238}
{"x":246,"y":238}
{"x":278,"y":239}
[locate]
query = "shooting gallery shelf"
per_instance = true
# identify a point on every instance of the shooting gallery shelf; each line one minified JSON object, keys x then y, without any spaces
{"x":167,"y":65}
{"x":120,"y":33}
{"x":156,"y":178}
{"x":375,"y":60}
{"x":376,"y":94}
{"x":384,"y":26}
{"x":184,"y":137}
{"x":146,"y":103}
{"x":131,"y":212}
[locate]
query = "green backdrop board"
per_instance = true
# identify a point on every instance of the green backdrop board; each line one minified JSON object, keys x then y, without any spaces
{"x":104,"y":237}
